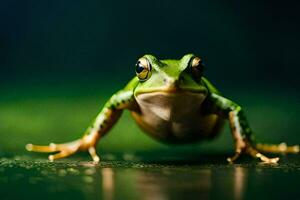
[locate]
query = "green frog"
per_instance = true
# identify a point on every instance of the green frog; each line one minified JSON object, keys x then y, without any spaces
{"x":174,"y":103}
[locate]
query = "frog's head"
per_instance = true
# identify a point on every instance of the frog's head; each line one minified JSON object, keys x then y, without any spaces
{"x":170,"y":89}
{"x":169,"y":76}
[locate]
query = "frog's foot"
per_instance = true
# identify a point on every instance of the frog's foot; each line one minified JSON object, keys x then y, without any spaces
{"x":248,"y":148}
{"x":67,"y":149}
{"x":277,"y":148}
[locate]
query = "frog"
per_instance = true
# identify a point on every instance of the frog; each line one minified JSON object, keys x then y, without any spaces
{"x":174,"y":103}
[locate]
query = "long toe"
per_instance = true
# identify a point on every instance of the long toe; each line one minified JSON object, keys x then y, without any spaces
{"x":37,"y":148}
{"x":59,"y":155}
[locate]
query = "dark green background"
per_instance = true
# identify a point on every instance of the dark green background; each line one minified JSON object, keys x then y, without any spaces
{"x":244,"y":42}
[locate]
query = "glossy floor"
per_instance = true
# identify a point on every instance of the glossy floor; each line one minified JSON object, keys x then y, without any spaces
{"x":156,"y":175}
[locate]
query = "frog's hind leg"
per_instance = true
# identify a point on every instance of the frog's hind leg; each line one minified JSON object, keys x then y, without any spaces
{"x":277,"y":148}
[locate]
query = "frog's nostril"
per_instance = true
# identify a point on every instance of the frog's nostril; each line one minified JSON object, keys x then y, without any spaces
{"x":165,"y":80}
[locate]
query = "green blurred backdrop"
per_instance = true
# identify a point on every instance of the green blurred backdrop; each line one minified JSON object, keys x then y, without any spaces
{"x":61,"y":60}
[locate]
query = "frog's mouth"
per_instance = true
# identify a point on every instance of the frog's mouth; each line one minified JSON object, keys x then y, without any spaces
{"x":172,"y":90}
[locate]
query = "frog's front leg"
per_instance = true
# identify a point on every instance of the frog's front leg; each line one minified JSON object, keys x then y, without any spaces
{"x":242,"y":134}
{"x":103,"y":122}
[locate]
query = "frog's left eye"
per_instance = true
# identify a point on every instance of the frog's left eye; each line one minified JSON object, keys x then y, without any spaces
{"x":197,"y":68}
{"x":143,"y":69}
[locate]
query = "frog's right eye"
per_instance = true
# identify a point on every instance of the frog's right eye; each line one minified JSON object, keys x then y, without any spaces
{"x":143,"y":69}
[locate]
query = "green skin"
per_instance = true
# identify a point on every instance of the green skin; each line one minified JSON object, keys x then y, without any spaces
{"x":173,"y":106}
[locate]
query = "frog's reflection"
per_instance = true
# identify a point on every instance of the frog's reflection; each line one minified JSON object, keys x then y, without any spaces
{"x":171,"y":183}
{"x":239,"y":182}
{"x":108,"y":183}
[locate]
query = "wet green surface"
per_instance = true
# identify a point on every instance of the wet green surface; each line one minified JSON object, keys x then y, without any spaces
{"x":148,"y":176}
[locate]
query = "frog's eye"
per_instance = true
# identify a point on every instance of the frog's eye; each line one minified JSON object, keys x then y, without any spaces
{"x":143,"y":69}
{"x":197,"y":68}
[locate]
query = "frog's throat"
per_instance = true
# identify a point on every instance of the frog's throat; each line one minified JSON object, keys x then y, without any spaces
{"x":169,"y":106}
